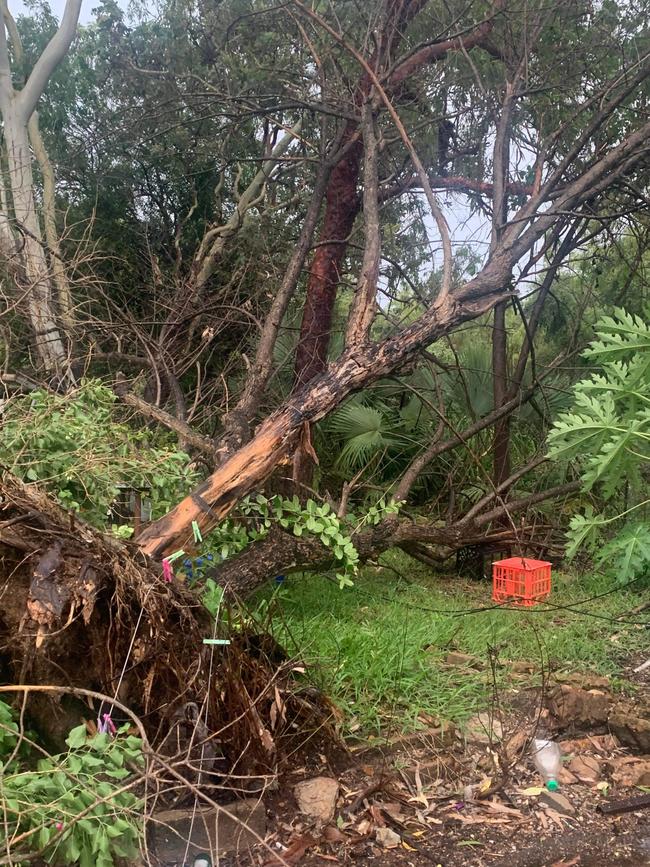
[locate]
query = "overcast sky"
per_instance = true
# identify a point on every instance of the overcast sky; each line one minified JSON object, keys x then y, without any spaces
{"x":466,"y":230}
{"x":17,"y":7}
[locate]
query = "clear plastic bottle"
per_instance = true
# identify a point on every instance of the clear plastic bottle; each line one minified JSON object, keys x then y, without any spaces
{"x":548,"y":761}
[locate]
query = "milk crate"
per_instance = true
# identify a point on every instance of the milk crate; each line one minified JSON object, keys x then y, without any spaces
{"x":521,"y":581}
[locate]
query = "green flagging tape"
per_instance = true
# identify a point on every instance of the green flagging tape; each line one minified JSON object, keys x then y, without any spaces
{"x":216,"y":641}
{"x":197,"y":533}
{"x":174,"y":556}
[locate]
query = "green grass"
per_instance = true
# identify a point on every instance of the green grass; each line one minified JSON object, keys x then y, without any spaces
{"x":376,"y":648}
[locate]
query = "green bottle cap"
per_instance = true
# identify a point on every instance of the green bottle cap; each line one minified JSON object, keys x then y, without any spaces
{"x":552,"y":785}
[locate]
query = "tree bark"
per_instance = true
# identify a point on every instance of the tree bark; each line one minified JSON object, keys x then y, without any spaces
{"x":501,"y":441}
{"x":342,"y":205}
{"x":42,"y":313}
{"x":17,"y":108}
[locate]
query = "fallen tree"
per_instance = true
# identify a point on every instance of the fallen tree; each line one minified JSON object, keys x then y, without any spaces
{"x":364,"y":362}
{"x":383,"y":137}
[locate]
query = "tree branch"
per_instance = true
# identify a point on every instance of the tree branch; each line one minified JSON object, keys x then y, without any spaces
{"x":201,"y":443}
{"x":525,"y":502}
{"x":237,"y":422}
{"x":438,"y":50}
{"x":210,"y":251}
{"x":54,"y":52}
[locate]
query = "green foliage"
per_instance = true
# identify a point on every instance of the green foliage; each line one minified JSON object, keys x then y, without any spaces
{"x":379,"y":649}
{"x":258,"y":514}
{"x":607,"y":432}
{"x":76,"y":806}
{"x":8,"y":731}
{"x":74,"y":446}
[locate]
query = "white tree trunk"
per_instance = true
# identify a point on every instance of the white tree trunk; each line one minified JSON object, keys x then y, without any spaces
{"x":38,"y":280}
{"x":17,"y":107}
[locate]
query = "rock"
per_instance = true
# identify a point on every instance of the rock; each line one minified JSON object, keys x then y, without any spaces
{"x":583,"y":680}
{"x":483,"y":729}
{"x":600,"y":743}
{"x":586,"y":768}
{"x":387,"y":838}
{"x":463,"y":660}
{"x":207,"y":830}
{"x":556,"y":802}
{"x":317,"y":798}
{"x":632,"y":730}
{"x":631,"y":771}
{"x":573,"y":706}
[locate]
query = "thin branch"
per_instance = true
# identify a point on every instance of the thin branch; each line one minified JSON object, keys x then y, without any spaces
{"x":525,"y":502}
{"x":505,"y":485}
{"x":201,"y":443}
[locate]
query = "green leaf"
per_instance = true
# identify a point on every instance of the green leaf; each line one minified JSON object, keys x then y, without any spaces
{"x":628,"y":554}
{"x":77,"y":737}
{"x":584,"y":531}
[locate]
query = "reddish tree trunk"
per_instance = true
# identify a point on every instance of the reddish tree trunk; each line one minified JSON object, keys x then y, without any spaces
{"x":341,"y":209}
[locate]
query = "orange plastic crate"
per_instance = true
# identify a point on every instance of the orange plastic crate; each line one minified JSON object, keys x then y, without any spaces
{"x":521,"y":581}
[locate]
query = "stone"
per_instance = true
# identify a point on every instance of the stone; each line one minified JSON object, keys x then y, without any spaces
{"x":234,"y":828}
{"x":463,"y":660}
{"x":632,"y":730}
{"x":583,"y":680}
{"x":600,"y":743}
{"x":557,"y":802}
{"x":586,"y":768}
{"x":317,"y":798}
{"x":631,"y":771}
{"x":483,"y":729}
{"x":387,"y":838}
{"x":571,"y":705}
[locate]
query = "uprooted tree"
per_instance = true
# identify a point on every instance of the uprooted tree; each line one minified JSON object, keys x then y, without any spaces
{"x":298,"y":170}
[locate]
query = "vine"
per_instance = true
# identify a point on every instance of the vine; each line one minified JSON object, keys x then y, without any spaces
{"x":258,"y":514}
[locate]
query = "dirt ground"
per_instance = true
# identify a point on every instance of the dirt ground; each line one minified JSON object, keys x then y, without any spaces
{"x":448,"y":799}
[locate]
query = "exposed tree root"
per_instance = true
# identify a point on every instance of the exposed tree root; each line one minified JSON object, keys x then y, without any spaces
{"x":82,"y":610}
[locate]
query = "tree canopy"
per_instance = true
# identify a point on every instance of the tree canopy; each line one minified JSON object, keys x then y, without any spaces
{"x":347,"y":255}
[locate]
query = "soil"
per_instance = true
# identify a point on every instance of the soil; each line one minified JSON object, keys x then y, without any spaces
{"x":438,"y":821}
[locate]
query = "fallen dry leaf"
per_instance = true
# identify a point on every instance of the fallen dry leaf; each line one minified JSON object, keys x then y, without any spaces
{"x":555,"y":817}
{"x":294,"y":851}
{"x":333,"y":835}
{"x":570,"y":863}
{"x":498,"y":807}
{"x":542,"y":819}
{"x":387,"y":838}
